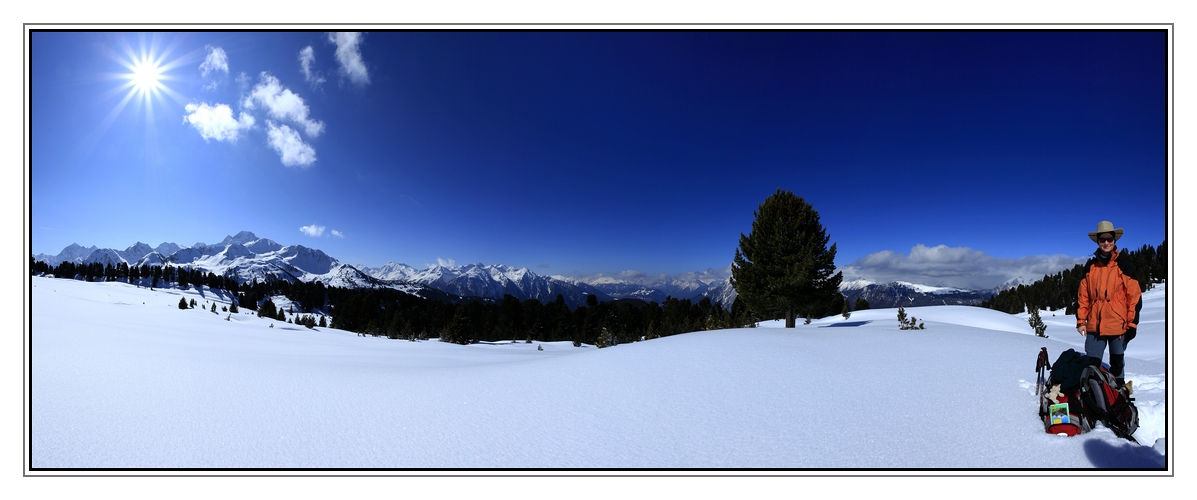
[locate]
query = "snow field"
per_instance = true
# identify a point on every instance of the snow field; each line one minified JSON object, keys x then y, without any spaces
{"x":117,"y":383}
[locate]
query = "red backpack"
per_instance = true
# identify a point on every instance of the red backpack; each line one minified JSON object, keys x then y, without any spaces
{"x":1079,"y":393}
{"x":1106,"y":402}
{"x":1060,"y":407}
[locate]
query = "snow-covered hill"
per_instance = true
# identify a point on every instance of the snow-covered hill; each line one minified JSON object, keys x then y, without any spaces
{"x":120,"y":377}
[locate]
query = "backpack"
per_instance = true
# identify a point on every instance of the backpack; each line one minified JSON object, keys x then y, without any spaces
{"x":1067,"y":369}
{"x":1106,"y":402}
{"x":1061,"y":408}
{"x":1062,"y":413}
{"x":1089,"y":392}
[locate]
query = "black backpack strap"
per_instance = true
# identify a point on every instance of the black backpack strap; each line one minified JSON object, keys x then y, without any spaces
{"x":1128,"y":268}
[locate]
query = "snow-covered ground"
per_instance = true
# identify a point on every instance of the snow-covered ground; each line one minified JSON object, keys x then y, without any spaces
{"x":122,"y":378}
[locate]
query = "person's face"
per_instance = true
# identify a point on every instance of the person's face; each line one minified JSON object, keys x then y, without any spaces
{"x":1105,"y":241}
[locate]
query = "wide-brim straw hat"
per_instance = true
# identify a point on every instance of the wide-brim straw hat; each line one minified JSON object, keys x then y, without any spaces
{"x":1105,"y":226}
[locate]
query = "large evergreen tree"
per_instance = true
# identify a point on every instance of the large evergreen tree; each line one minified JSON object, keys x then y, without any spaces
{"x":784,"y":266}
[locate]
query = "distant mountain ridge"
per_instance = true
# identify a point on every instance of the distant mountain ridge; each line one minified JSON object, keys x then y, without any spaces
{"x":905,"y":294}
{"x":247,"y":257}
{"x":244,"y":257}
{"x":492,"y":281}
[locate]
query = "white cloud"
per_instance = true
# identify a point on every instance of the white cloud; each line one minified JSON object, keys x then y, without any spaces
{"x":710,"y":275}
{"x":444,"y":263}
{"x":337,"y":234}
{"x":282,"y":104}
{"x":349,"y":55}
{"x":707,"y":276}
{"x":307,"y":56}
{"x":290,"y":147}
{"x":216,"y":60}
{"x":217,"y":122}
{"x":960,"y":267}
{"x":312,"y":230}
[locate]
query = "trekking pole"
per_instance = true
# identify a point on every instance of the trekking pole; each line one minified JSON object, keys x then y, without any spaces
{"x":1040,"y":367}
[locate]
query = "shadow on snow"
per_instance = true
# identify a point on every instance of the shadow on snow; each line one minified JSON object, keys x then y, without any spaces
{"x":847,"y":324}
{"x":1124,"y":455}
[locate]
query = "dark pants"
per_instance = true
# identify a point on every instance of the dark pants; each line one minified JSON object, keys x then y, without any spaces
{"x":1095,"y":346}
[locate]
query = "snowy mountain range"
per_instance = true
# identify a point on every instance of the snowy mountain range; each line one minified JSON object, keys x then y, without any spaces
{"x":247,"y":257}
{"x":905,"y":294}
{"x":243,"y":256}
{"x":491,"y":281}
{"x":496,"y":280}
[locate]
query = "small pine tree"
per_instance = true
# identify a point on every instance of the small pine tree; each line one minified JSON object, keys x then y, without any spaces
{"x":233,"y":307}
{"x":214,"y":307}
{"x":193,"y":303}
{"x":322,"y":322}
{"x":1037,"y":323}
{"x":846,"y":311}
{"x":182,"y":303}
{"x":908,"y":323}
{"x":602,"y":340}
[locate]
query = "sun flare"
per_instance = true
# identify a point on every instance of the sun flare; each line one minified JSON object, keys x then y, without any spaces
{"x":146,"y":76}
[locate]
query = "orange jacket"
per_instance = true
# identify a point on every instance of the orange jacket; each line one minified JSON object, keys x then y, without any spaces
{"x":1107,"y":298}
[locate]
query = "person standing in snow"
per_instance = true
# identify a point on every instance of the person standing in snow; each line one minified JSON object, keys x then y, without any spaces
{"x":1108,"y":297}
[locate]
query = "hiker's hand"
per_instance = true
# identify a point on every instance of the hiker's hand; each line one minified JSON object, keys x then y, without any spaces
{"x":1081,"y":329}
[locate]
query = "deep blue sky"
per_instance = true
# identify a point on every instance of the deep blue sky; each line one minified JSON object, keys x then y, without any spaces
{"x":578,"y":153}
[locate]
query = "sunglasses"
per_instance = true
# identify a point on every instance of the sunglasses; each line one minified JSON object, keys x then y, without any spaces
{"x":1105,"y":239}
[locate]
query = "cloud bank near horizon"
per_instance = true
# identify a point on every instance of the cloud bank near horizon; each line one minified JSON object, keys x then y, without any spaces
{"x":960,"y":267}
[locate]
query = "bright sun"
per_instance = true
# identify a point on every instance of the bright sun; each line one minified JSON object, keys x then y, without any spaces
{"x":146,"y":76}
